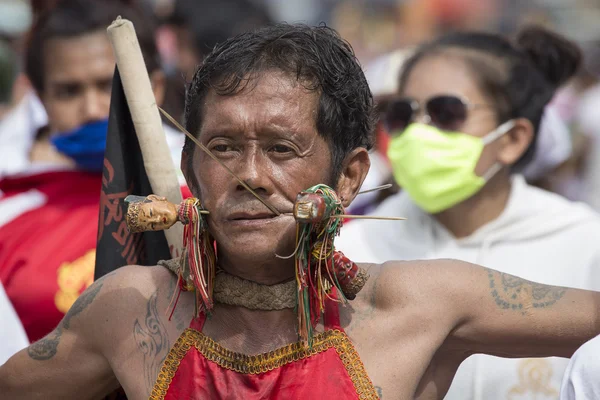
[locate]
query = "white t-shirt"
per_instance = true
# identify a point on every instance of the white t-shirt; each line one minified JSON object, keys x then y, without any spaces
{"x":12,"y":334}
{"x":582,"y":377}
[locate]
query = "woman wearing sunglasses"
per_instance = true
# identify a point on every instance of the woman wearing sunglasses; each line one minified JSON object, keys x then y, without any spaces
{"x":463,"y":126}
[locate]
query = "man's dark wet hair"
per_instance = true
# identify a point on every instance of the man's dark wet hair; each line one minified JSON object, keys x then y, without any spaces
{"x":520,"y":77}
{"x":314,"y":56}
{"x":73,"y":18}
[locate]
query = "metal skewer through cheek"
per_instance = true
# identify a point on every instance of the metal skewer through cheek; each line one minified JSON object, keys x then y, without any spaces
{"x":375,"y":189}
{"x":248,"y":188}
{"x":207,"y":151}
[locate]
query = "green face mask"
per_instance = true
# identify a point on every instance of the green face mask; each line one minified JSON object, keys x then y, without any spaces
{"x":437,"y":168}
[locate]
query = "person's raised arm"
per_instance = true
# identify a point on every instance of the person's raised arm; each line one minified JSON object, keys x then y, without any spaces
{"x":490,"y":312}
{"x":68,"y":363}
{"x":508,"y":316}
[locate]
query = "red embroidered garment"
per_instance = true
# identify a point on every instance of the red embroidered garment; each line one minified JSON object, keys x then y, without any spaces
{"x":199,"y":368}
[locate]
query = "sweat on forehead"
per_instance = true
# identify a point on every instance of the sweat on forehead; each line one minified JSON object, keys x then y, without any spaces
{"x":269,"y":100}
{"x":316,"y":56}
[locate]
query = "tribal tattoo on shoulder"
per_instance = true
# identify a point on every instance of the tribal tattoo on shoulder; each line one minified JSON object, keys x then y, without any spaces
{"x":46,"y":348}
{"x":511,"y":292}
{"x":151,"y":338}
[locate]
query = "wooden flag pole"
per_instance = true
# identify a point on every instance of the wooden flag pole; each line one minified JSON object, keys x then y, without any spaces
{"x":147,"y":121}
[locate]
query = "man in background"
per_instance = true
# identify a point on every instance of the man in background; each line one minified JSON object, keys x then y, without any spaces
{"x":196,"y":26}
{"x":51,"y":157}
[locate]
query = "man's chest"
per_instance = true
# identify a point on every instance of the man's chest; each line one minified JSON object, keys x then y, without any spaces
{"x":147,"y":337}
{"x":394,"y":360}
{"x":394,"y":373}
{"x":197,"y":367}
{"x":403,"y":360}
{"x":137,"y":361}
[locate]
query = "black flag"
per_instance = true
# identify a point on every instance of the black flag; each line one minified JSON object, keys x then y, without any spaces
{"x":123,"y":174}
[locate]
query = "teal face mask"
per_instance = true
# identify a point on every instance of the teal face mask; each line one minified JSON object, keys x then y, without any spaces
{"x":437,"y":168}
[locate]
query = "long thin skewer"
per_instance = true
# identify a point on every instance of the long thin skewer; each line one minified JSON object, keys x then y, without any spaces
{"x":207,"y":151}
{"x":352,"y":216}
{"x":368,"y":217}
{"x":349,"y":216}
{"x":382,"y":187}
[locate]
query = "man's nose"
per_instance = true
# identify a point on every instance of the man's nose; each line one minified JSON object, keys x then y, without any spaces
{"x":95,"y":105}
{"x":253,"y":171}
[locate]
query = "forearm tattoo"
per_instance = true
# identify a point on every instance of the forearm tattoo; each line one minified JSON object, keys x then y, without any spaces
{"x":151,"y":338}
{"x":45,"y":349}
{"x":511,"y":292}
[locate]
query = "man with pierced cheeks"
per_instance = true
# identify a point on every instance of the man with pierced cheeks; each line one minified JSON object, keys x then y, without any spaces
{"x":288,"y":107}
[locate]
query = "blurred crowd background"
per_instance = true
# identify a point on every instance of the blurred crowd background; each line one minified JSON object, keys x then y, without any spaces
{"x":378,"y":30}
{"x":382,"y":33}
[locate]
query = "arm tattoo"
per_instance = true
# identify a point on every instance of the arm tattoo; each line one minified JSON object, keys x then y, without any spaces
{"x":511,"y":292}
{"x":46,"y":348}
{"x":379,"y":392}
{"x":151,"y":338}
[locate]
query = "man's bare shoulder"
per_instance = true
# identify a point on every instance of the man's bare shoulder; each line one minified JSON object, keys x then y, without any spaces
{"x":134,"y":282}
{"x":398,"y":283}
{"x":122,"y":295}
{"x":137,"y":278}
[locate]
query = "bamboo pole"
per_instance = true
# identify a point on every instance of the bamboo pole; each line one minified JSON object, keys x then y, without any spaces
{"x":147,"y":121}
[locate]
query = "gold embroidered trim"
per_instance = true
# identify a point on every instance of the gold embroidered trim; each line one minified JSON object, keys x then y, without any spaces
{"x":356,"y":369}
{"x":264,"y":362}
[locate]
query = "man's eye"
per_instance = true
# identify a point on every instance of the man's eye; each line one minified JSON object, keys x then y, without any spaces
{"x":67,"y":91}
{"x":222,"y":148}
{"x":280,"y":148}
{"x":105,"y":85}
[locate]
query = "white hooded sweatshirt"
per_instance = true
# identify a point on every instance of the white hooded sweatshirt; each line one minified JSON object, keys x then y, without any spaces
{"x":539,"y":236}
{"x":582,"y":378}
{"x":12,"y":334}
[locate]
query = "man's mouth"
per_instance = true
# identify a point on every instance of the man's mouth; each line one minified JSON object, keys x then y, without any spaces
{"x":243,"y":216}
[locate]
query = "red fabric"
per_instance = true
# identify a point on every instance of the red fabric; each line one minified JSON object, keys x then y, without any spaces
{"x":382,"y":138}
{"x":47,"y":254}
{"x":450,"y":10}
{"x":320,"y":376}
{"x":36,"y":244}
{"x":331,"y":317}
{"x":186,"y":193}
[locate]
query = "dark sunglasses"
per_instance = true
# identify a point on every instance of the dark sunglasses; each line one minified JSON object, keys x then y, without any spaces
{"x":445,"y":112}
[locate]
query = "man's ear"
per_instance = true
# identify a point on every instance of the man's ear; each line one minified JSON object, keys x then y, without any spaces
{"x":184,"y":163}
{"x":516,"y":142}
{"x":159,"y":86}
{"x":188,"y":174}
{"x":356,"y":167}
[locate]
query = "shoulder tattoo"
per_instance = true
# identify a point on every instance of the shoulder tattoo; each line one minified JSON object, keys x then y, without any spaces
{"x":46,"y":348}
